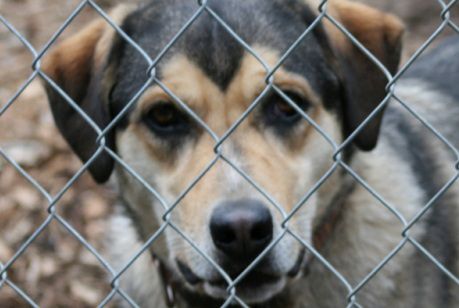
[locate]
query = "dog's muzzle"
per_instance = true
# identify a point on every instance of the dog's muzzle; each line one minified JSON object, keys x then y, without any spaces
{"x":257,"y":285}
{"x":241,"y":231}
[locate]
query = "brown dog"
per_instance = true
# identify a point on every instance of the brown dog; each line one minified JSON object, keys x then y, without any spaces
{"x":230,"y":221}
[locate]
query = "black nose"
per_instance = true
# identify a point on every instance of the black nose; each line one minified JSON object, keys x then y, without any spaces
{"x":241,"y":229}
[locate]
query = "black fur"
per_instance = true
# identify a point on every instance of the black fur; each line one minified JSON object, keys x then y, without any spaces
{"x":215,"y":51}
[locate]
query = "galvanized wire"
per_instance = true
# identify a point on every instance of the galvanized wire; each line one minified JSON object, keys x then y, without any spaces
{"x":219,"y":154}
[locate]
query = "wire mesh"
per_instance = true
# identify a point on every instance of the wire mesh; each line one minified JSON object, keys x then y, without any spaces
{"x":219,"y":155}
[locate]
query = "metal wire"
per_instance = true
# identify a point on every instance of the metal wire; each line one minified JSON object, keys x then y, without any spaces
{"x":169,"y":207}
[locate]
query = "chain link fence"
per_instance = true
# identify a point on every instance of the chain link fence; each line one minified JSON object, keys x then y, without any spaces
{"x":52,"y":199}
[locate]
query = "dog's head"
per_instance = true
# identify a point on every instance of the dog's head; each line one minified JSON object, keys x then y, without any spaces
{"x":327,"y":77}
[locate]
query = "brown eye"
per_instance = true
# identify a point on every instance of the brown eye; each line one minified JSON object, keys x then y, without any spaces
{"x":282,"y":109}
{"x":163,"y":115}
{"x":165,"y":118}
{"x":280,"y":113}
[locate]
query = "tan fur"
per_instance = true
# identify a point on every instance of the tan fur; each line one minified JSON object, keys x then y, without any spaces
{"x":371,"y":27}
{"x":74,"y":53}
{"x":88,"y":48}
{"x":189,"y":83}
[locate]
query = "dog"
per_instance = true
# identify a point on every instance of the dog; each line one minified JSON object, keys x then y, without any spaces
{"x":333,"y":83}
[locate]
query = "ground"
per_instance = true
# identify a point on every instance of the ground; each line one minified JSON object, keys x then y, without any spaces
{"x":56,"y":270}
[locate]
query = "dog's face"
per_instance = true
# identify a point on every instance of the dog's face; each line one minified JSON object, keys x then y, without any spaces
{"x":227,"y":217}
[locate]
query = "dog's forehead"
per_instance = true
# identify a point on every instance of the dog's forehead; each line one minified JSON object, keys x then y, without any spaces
{"x":212,"y":45}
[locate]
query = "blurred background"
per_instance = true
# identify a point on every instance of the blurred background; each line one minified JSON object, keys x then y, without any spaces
{"x":56,"y":270}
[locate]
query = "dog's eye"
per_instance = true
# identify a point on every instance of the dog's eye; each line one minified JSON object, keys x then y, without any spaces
{"x":282,"y":109}
{"x":165,"y":118}
{"x":279,"y":111}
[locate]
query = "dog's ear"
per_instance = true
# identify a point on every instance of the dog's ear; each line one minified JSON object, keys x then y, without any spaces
{"x":363,"y":82}
{"x":78,"y":66}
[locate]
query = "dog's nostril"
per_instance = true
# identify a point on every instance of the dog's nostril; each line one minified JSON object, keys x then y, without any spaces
{"x":261,"y":232}
{"x":241,"y":228}
{"x":222,"y":233}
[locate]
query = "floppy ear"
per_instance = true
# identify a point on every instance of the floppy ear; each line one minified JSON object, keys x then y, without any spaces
{"x":364,"y":83}
{"x":78,"y":66}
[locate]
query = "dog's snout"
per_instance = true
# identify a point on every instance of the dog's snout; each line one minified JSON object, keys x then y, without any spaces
{"x":241,"y":229}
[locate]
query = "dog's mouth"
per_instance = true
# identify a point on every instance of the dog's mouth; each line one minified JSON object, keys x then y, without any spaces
{"x":250,"y":281}
{"x":259,"y":283}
